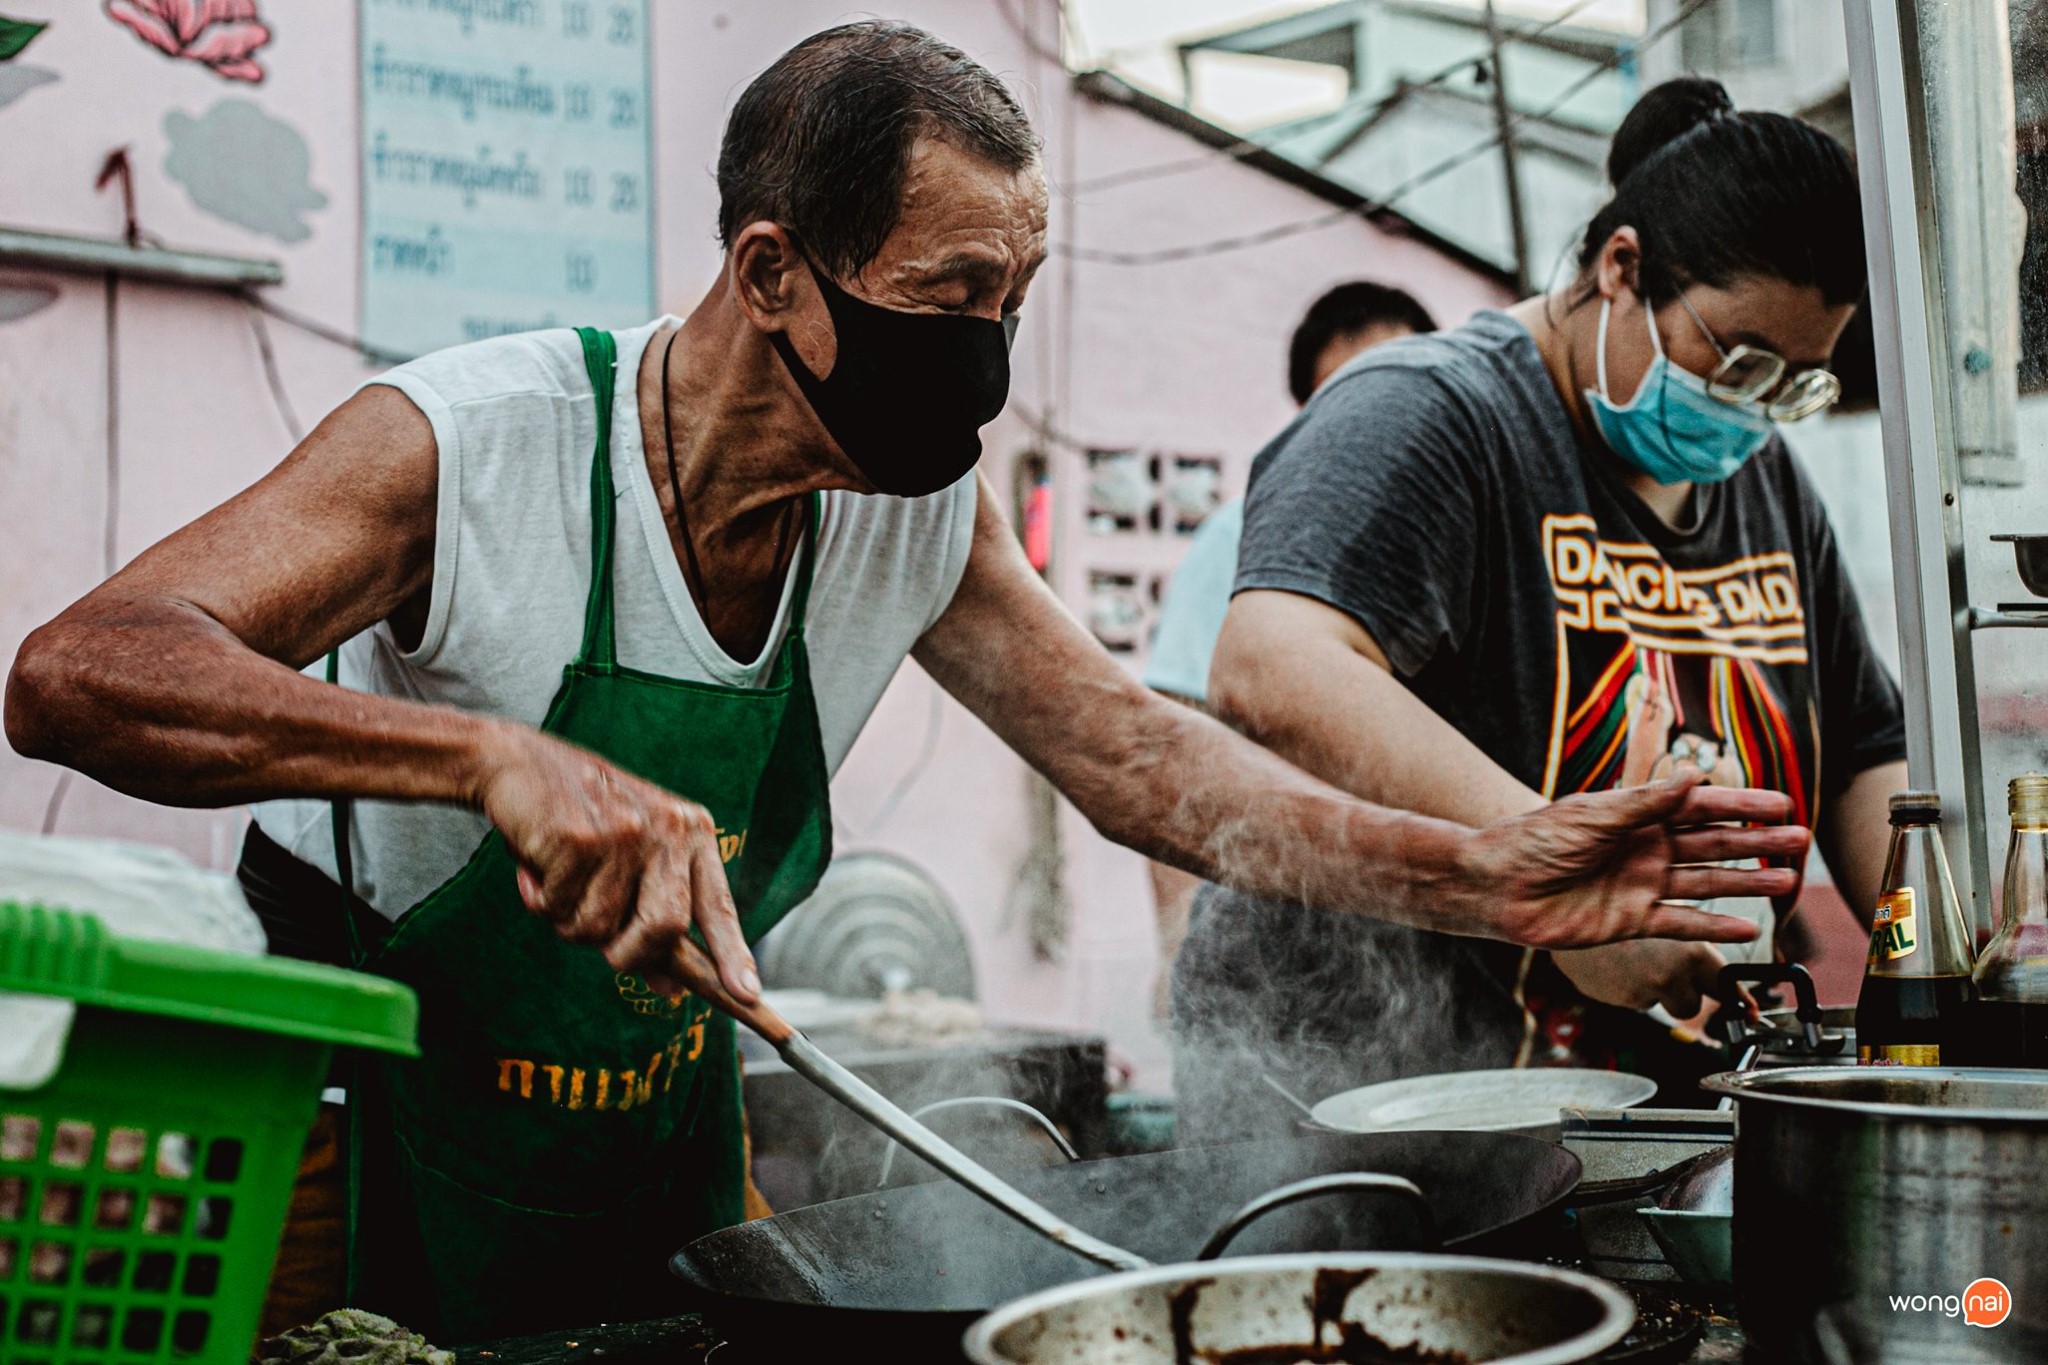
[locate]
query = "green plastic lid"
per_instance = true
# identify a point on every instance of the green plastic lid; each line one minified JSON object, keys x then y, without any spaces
{"x":69,"y":954}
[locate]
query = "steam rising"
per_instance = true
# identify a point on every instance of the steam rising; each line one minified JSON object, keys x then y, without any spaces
{"x":1323,"y":1002}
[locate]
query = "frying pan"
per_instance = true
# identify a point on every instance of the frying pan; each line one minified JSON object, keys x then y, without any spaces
{"x":903,"y":1272}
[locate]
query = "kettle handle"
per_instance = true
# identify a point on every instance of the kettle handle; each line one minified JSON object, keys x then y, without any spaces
{"x":1733,"y":1020}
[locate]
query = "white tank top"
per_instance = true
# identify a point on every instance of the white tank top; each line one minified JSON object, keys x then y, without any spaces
{"x":514,"y":420}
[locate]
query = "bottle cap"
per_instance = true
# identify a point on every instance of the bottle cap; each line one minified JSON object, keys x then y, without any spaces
{"x":1915,"y":808}
{"x":2026,"y":799}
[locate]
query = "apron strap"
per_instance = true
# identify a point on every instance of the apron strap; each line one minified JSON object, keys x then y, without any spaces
{"x":600,"y":641}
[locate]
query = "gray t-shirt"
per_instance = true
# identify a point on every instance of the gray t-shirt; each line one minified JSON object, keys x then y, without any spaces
{"x":1436,"y":491}
{"x":515,"y":423}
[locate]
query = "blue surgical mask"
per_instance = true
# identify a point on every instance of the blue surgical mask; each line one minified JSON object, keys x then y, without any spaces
{"x":1673,"y":429}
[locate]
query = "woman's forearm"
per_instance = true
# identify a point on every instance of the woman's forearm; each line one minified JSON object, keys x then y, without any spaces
{"x":1855,"y":834}
{"x":1307,"y":682}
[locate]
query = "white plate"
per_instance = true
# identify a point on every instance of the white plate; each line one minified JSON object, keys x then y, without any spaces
{"x":1481,"y":1101}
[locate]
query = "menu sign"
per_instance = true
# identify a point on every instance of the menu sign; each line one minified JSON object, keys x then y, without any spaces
{"x":506,"y":166}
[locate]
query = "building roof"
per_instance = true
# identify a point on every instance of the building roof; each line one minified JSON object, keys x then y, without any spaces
{"x":1326,"y":35}
{"x":1108,"y":88}
{"x":1329,"y":34}
{"x":1323,"y":136}
{"x":1585,"y":41}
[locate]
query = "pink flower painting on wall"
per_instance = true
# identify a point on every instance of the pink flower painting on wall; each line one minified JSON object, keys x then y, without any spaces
{"x":219,"y":34}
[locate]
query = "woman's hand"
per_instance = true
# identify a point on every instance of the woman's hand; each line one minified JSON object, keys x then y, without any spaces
{"x":1637,"y":975}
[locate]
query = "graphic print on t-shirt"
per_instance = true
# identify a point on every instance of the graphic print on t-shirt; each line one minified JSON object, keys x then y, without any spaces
{"x":1662,"y":669}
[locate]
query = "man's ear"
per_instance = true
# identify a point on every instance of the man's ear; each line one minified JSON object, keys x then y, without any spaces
{"x":768,"y":275}
{"x":1619,"y":268}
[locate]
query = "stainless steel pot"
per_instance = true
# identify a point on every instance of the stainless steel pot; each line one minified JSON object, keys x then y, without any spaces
{"x":1854,"y":1185}
{"x":1421,"y":1309}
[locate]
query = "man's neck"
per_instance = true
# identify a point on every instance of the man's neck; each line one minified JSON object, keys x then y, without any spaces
{"x":743,"y":440}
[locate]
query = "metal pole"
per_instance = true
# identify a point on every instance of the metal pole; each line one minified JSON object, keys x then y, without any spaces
{"x":1963,"y":56}
{"x":1922,"y":477}
{"x":1503,"y":117}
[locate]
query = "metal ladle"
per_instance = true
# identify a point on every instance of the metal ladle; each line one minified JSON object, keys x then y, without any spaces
{"x":695,"y":967}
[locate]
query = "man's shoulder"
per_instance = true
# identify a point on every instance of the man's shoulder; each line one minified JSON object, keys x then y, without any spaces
{"x":545,"y":363}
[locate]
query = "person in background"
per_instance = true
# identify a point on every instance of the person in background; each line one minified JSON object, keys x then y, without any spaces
{"x":1562,"y":548}
{"x":1346,"y":320}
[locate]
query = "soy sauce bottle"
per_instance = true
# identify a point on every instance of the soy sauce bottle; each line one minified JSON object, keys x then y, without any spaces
{"x":2012,"y":974}
{"x":1918,"y":1002}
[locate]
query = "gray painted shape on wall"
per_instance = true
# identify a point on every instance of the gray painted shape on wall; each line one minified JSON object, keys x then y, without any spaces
{"x":17,"y":80}
{"x":240,"y":164}
{"x":21,"y":298}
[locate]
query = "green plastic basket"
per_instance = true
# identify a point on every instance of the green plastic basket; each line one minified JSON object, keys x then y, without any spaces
{"x":143,"y":1189}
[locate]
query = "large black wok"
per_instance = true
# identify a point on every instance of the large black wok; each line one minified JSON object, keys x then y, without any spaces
{"x":903,"y":1272}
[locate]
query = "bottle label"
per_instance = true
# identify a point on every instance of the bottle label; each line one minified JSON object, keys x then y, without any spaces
{"x":1894,"y":935}
{"x":1901,"y":1054}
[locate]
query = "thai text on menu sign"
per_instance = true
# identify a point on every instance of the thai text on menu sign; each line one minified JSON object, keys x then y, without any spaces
{"x":506,"y":164}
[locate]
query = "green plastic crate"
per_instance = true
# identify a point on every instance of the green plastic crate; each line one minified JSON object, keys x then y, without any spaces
{"x":143,"y":1189}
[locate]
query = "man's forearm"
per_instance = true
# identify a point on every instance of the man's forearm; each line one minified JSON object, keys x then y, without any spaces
{"x":160,"y":701}
{"x":1190,"y":792}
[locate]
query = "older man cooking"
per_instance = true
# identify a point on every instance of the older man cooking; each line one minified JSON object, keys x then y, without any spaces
{"x":607,"y":610}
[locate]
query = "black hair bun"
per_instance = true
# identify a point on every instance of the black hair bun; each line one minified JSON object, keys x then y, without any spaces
{"x":1663,"y":115}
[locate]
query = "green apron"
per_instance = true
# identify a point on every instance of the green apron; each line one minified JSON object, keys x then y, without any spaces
{"x":568,"y":1129}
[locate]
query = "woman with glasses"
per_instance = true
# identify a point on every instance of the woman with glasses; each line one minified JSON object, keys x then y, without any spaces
{"x":1559,"y":549}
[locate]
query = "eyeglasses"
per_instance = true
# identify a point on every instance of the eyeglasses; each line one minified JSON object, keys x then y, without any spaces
{"x":1750,"y":374}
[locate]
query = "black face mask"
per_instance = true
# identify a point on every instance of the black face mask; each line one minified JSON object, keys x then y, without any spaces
{"x":909,"y":392}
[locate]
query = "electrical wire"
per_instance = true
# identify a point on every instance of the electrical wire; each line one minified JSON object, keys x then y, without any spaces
{"x":314,"y":327}
{"x":935,"y":722}
{"x":1044,"y":427}
{"x":1245,"y":147}
{"x":1217,"y":246}
{"x":282,"y":399}
{"x":1239,"y":241}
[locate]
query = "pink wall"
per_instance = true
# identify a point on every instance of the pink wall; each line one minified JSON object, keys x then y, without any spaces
{"x":1186,"y":357}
